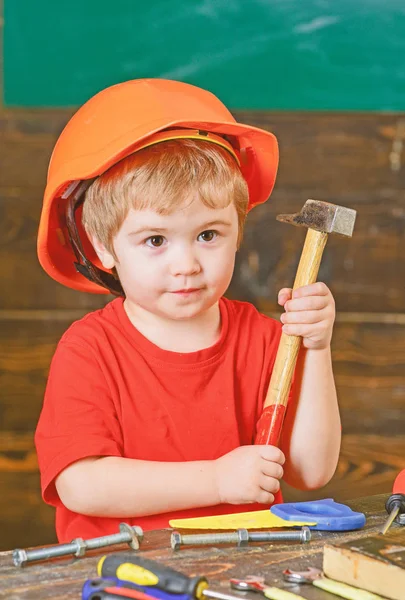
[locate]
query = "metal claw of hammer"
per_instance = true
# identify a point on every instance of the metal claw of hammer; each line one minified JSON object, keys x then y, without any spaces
{"x":321,"y":219}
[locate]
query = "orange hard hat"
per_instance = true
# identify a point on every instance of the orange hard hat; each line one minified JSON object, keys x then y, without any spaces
{"x":115,"y":123}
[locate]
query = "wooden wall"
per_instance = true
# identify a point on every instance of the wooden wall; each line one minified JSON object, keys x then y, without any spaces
{"x":352,"y":159}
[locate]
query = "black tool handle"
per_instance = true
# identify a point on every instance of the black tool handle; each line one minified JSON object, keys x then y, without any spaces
{"x":131,"y":567}
{"x":395,"y":501}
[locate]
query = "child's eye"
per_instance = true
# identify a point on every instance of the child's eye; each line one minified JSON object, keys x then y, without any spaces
{"x":155,"y":241}
{"x":208,"y":236}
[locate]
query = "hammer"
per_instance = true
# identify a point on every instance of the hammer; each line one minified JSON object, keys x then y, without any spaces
{"x":321,"y":218}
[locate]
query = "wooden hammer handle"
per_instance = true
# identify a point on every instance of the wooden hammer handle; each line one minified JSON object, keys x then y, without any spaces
{"x":270,"y":423}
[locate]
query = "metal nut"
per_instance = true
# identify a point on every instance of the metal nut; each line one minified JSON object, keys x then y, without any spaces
{"x":19,"y":557}
{"x":81,"y":547}
{"x":175,"y":540}
{"x":306,"y":535}
{"x":138,"y":531}
{"x":243,"y":537}
{"x":133,"y":535}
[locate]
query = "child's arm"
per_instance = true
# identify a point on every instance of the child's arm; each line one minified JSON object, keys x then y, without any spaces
{"x":123,"y":487}
{"x":313,"y":422}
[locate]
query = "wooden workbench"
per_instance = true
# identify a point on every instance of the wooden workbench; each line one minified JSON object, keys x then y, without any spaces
{"x":63,"y":578}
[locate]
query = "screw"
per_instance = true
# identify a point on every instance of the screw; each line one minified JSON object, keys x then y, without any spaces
{"x":241,"y":537}
{"x":78,"y":546}
{"x":303,"y":535}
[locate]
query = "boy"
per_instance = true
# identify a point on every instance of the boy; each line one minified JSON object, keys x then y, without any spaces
{"x":152,"y":402}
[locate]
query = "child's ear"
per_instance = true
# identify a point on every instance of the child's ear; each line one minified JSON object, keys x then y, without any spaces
{"x":106,"y":258}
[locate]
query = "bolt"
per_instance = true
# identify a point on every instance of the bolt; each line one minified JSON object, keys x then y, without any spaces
{"x":303,"y":535}
{"x":241,"y":537}
{"x":78,"y":546}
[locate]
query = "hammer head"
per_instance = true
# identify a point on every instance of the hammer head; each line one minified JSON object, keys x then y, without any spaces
{"x":323,"y":216}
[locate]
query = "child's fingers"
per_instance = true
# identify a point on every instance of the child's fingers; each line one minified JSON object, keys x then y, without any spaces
{"x":272,"y":469}
{"x":314,"y":289}
{"x":269,"y":484}
{"x":284,"y":295}
{"x":306,"y":303}
{"x":272,"y":453}
{"x":302,"y":329}
{"x":305,"y":317}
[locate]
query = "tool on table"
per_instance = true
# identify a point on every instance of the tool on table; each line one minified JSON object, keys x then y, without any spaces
{"x":78,"y":547}
{"x":113,"y":592}
{"x":254,"y":519}
{"x":329,"y":515}
{"x":316,"y":578}
{"x":100,"y":584}
{"x":151,"y":574}
{"x":321,"y":219}
{"x":241,"y":537}
{"x":317,"y":514}
{"x":375,"y":563}
{"x":395,"y":504}
{"x":256,"y":584}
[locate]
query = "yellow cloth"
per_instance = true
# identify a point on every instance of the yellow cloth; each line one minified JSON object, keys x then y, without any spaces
{"x":248,"y":520}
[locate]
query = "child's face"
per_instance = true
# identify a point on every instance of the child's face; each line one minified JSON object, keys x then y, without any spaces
{"x":178,"y":265}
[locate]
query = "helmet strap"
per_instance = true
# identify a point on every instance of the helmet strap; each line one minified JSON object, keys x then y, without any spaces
{"x":83,"y":265}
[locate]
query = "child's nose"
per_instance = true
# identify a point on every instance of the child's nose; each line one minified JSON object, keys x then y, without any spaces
{"x":184,"y":262}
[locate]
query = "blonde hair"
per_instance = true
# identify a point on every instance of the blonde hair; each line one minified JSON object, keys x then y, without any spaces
{"x":161,"y":177}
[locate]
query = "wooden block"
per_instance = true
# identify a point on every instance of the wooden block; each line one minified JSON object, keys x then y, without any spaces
{"x":374,"y":563}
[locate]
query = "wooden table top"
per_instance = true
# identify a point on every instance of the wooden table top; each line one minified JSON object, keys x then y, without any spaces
{"x":64,"y":578}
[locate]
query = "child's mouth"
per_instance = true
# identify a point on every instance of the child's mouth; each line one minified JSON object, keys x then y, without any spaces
{"x":187,"y":292}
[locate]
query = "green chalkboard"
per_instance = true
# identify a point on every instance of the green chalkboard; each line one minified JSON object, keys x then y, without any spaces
{"x":258,"y":54}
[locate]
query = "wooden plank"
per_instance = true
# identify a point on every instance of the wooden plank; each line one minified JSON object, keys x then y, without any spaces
{"x":350,"y":165}
{"x":367,"y":463}
{"x":32,"y":121}
{"x":26,"y":349}
{"x":369,"y":366}
{"x":335,"y":152}
{"x":366,"y":270}
{"x":373,"y":563}
{"x":1,"y":52}
{"x":64,"y":578}
{"x":25,"y":519}
{"x":24,"y":283}
{"x":369,"y":362}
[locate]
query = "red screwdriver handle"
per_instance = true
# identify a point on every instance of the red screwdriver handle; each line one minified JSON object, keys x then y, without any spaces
{"x":399,"y":483}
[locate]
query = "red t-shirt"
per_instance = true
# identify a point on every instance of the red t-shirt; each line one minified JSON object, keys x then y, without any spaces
{"x":112,"y":392}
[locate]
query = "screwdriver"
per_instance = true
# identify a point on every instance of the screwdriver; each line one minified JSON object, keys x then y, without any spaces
{"x":395,"y":504}
{"x":149,"y":573}
{"x":92,"y":587}
{"x":117,"y":593}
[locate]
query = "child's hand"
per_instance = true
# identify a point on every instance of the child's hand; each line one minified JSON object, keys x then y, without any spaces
{"x":249,"y":474}
{"x":310,"y":313}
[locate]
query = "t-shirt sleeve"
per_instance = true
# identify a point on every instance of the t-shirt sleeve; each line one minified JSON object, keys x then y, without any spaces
{"x":78,"y":417}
